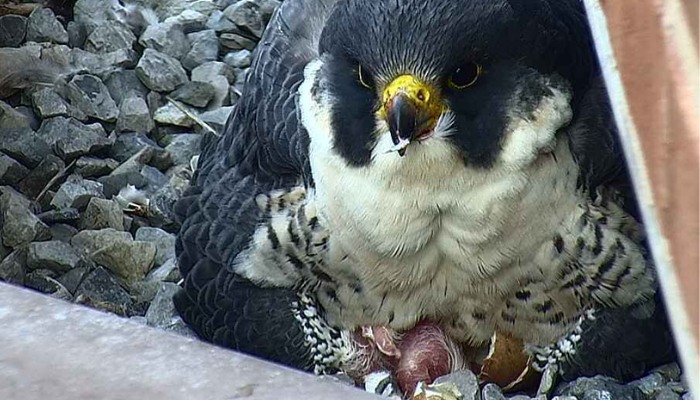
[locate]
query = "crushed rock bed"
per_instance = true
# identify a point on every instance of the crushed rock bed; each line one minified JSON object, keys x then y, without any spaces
{"x":90,"y":166}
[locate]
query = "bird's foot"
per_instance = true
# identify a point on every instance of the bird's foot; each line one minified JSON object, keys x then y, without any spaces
{"x":552,"y":355}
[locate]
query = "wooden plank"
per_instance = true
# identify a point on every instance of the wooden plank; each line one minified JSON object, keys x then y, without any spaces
{"x":649,"y":55}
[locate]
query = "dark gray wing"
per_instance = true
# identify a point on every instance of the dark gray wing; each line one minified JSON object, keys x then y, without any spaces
{"x":263,"y":147}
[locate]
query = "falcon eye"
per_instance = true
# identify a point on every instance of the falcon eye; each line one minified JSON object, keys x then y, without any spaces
{"x":464,"y":76}
{"x":365,"y":78}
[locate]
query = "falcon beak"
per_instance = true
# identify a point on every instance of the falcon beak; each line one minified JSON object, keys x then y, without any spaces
{"x":411,"y":110}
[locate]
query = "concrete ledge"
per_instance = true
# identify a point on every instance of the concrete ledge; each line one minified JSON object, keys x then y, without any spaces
{"x":50,"y":349}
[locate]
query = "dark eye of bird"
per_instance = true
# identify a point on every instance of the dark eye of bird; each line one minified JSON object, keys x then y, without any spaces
{"x":365,"y":78}
{"x":464,"y":76}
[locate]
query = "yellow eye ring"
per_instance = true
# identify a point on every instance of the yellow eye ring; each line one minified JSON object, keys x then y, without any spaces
{"x":464,"y":76}
{"x":365,"y":78}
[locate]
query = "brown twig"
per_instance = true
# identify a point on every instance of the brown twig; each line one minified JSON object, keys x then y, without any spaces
{"x":18,"y":9}
{"x":53,"y":180}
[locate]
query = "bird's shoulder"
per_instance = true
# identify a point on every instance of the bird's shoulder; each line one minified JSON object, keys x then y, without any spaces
{"x":264,"y":136}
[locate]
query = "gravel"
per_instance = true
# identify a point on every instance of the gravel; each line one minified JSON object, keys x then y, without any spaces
{"x":44,"y":27}
{"x":160,"y":72}
{"x":13,"y":29}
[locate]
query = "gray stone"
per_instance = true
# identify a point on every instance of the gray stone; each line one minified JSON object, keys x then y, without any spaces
{"x":197,"y":94}
{"x":24,"y":145}
{"x":160,"y":72}
{"x":464,"y":380}
{"x":204,"y":47}
{"x":492,"y":392}
{"x":13,"y":29}
{"x":115,"y":182}
{"x":102,"y":213}
{"x":213,"y":68}
{"x":219,"y":23}
{"x":124,"y":82}
{"x":34,"y":121}
{"x":71,"y":279}
{"x":216,"y":118}
{"x":667,"y":393}
{"x":162,"y":313}
{"x":599,"y":388}
{"x":135,"y":162}
{"x":109,"y":36}
{"x":267,"y":8}
{"x":13,"y":268}
{"x":60,"y":216}
{"x":670,"y":372}
{"x":649,"y":384}
{"x":72,"y":139}
{"x":235,"y":41}
{"x":77,"y":34}
{"x":76,"y":192}
{"x":189,"y":20}
{"x":155,"y":100}
{"x":10,"y":197}
{"x":246,"y":14}
{"x":63,"y":232}
{"x":11,"y":118}
{"x":155,"y":178}
{"x":134,"y":115}
{"x":40,"y":176}
{"x":220,"y":75}
{"x":688,"y":396}
{"x":5,"y":251}
{"x":88,"y":242}
{"x":88,"y":167}
{"x":130,"y":261}
{"x":183,"y":147}
{"x":92,"y":13}
{"x":128,"y":144}
{"x":44,"y":281}
{"x":167,"y":272}
{"x":166,"y":38}
{"x":11,"y":171}
{"x":100,"y":290}
{"x":103,"y":64}
{"x":44,"y":27}
{"x":91,"y":96}
{"x":54,"y":255}
{"x":20,"y":227}
{"x":143,"y":292}
{"x":239,"y":59}
{"x":169,"y":114}
{"x":678,"y":387}
{"x":48,"y":103}
{"x":57,"y":54}
{"x":164,"y":242}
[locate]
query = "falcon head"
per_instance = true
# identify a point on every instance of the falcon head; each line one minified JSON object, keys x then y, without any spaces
{"x":404,"y":83}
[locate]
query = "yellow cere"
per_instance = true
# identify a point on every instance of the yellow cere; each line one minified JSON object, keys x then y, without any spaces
{"x":421,"y":95}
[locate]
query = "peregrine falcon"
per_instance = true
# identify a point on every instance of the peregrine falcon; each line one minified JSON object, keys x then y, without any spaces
{"x":391,"y":162}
